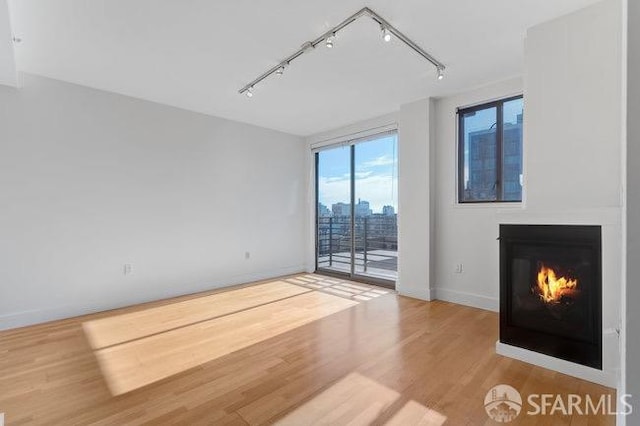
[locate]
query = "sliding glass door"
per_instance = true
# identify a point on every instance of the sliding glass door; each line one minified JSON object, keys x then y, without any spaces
{"x":357,"y":203}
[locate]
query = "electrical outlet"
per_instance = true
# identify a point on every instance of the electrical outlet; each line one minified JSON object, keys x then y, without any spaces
{"x":127,"y":269}
{"x":247,"y":255}
{"x":459,"y":268}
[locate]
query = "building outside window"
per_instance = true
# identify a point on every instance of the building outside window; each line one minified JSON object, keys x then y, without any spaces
{"x":490,"y":152}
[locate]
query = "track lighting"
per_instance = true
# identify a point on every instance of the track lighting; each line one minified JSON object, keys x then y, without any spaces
{"x":386,"y":34}
{"x":307,"y":47}
{"x":330,"y":40}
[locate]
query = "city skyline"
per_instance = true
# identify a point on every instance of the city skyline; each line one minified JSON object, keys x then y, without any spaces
{"x":362,"y":208}
{"x":376,"y":178}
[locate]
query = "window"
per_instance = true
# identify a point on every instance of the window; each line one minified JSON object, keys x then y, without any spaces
{"x":490,"y":152}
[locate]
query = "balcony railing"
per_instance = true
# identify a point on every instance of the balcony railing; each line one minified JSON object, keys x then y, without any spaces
{"x":376,"y":244}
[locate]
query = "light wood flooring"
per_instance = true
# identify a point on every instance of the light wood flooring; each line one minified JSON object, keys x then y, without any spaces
{"x":299,"y":350}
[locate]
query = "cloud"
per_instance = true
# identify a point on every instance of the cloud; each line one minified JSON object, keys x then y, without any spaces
{"x":334,"y":179}
{"x":383,"y":160}
{"x":362,"y":175}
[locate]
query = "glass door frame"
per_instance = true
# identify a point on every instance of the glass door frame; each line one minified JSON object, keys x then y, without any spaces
{"x":351,"y":275}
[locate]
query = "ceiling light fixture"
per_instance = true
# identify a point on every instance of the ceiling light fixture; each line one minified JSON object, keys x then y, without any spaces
{"x":328,"y":38}
{"x":386,"y":34}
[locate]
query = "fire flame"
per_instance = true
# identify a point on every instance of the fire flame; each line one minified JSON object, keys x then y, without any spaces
{"x":552,"y":288}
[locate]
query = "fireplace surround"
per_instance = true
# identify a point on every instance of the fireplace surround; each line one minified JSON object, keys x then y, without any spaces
{"x":551,"y":290}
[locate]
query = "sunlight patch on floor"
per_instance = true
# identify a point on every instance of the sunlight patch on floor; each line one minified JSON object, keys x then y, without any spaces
{"x":358,"y":400}
{"x":122,"y":328}
{"x":139,"y":348}
{"x":342,"y":288}
{"x":413,"y":413}
{"x":355,"y":399}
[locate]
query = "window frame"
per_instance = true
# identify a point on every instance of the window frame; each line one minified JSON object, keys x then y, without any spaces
{"x":460,"y":112}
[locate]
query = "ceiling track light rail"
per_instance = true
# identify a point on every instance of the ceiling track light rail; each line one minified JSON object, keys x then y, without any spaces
{"x":328,"y":39}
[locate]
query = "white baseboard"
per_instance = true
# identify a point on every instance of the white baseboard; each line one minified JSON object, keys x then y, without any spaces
{"x":38,"y":316}
{"x":426,"y":295}
{"x":467,"y":299}
{"x":432,"y":294}
{"x":565,"y":367}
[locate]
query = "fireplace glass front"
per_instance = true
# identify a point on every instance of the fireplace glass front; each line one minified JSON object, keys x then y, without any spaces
{"x":550,"y":290}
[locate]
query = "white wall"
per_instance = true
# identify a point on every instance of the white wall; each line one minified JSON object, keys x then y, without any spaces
{"x":91,"y":181}
{"x":414,"y":200}
{"x":632,"y":356}
{"x":8,"y":74}
{"x":573,"y":87}
{"x":574,"y":140}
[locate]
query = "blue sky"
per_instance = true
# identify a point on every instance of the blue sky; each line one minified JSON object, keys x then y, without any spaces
{"x":376,"y":173}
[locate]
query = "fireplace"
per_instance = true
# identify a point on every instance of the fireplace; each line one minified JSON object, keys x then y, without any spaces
{"x":551,"y":290}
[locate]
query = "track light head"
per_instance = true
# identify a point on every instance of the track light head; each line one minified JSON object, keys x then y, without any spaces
{"x":440,"y":73}
{"x":249,"y":92}
{"x":330,"y":40}
{"x":281,"y":68}
{"x":386,"y":34}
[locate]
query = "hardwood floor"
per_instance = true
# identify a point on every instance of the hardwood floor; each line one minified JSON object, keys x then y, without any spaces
{"x":131,"y":365}
{"x":299,"y":350}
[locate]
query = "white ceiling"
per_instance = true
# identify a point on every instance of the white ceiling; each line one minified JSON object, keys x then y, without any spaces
{"x":196,"y":54}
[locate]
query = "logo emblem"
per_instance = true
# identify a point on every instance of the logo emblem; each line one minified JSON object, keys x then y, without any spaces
{"x":503,"y":403}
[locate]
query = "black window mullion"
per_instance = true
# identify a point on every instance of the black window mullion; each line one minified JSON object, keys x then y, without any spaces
{"x":461,"y":162}
{"x":353,"y":209}
{"x":317,"y":186}
{"x":499,"y":148}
